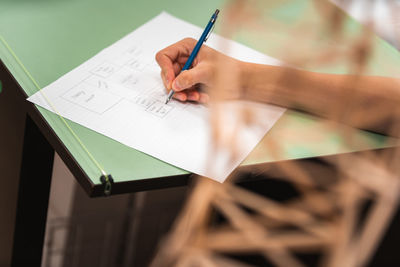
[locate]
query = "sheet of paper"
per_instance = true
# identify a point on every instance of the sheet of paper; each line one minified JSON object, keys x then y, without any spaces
{"x":119,"y":93}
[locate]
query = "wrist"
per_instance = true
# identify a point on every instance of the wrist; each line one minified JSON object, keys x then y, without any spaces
{"x":244,"y":76}
{"x":262,"y":83}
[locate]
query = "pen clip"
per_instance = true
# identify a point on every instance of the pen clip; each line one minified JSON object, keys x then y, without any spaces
{"x":208,"y":35}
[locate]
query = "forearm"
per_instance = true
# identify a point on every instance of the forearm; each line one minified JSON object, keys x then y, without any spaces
{"x":365,"y":102}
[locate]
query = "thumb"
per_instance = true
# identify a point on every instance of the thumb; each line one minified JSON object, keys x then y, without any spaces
{"x":188,"y":78}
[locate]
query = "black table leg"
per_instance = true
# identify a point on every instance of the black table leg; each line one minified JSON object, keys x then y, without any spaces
{"x":33,"y":197}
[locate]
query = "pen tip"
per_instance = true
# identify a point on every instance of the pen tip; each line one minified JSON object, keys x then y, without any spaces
{"x":216,"y":12}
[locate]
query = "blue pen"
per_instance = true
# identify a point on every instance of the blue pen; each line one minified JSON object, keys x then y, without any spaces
{"x":196,"y":49}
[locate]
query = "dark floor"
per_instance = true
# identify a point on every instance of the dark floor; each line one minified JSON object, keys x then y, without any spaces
{"x":130,"y":234}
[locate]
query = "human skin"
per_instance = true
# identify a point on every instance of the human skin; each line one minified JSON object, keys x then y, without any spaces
{"x":367,"y":102}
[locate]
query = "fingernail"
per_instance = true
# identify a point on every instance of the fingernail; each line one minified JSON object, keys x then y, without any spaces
{"x":180,"y":96}
{"x":176,"y":85}
{"x":193,"y":96}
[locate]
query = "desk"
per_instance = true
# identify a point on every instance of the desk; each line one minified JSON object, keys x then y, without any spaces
{"x":53,"y":37}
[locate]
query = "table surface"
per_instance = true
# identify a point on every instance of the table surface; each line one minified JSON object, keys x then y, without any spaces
{"x":53,"y":37}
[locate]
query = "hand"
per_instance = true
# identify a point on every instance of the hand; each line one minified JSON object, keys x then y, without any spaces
{"x":186,"y":84}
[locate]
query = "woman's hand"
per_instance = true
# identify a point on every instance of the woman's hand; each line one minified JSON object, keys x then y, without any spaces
{"x":202,"y":74}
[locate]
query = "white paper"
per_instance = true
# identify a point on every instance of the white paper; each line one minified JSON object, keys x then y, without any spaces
{"x":119,"y":93}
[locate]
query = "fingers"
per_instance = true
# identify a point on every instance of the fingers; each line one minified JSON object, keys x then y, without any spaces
{"x":197,"y":96}
{"x":192,"y":95}
{"x":181,"y":96}
{"x":167,"y":70}
{"x":170,"y":59}
{"x":201,"y":74}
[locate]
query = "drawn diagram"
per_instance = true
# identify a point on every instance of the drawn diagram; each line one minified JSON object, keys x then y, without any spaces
{"x":153,"y":106}
{"x":125,"y":78}
{"x":104,"y":70}
{"x":134,"y":59}
{"x":91,"y":98}
{"x":136,"y":64}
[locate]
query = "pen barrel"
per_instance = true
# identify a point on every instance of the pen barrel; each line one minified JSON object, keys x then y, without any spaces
{"x":196,"y":49}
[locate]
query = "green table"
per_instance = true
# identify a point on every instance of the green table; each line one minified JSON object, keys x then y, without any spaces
{"x":53,"y":37}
